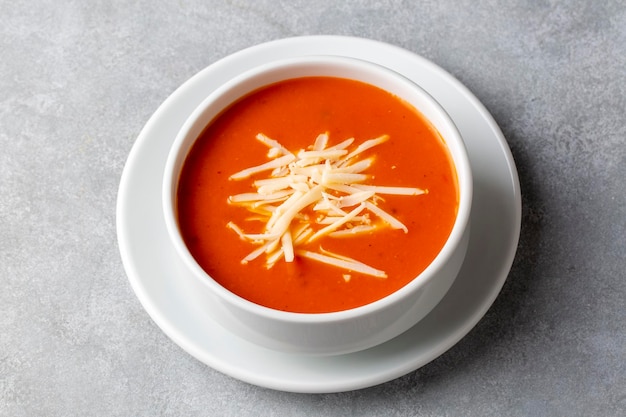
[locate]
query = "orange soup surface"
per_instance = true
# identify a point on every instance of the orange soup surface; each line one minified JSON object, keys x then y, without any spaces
{"x":294,"y":113}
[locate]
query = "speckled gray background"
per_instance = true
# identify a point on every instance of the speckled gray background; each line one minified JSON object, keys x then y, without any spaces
{"x":78,"y":80}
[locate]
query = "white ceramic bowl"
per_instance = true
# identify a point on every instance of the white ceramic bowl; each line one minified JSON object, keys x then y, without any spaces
{"x":344,"y":331}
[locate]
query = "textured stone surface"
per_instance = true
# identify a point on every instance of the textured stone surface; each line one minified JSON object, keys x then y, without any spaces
{"x":79,"y":79}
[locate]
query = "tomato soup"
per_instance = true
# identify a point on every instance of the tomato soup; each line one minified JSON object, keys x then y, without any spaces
{"x":399,"y":232}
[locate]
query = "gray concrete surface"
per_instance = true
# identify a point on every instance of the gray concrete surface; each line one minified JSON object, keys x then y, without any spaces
{"x":78,"y":80}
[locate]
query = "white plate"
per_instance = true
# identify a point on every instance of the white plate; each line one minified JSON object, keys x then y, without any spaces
{"x":166,"y":293}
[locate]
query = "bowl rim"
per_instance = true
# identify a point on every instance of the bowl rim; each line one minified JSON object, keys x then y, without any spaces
{"x":176,"y":157}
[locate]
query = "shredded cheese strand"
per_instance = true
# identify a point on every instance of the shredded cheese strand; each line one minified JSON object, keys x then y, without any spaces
{"x":392,"y":221}
{"x":320,"y":142}
{"x":343,"y":262}
{"x":287,"y":246}
{"x":276,"y":163}
{"x":334,"y":226}
{"x":272,"y":144}
{"x":353,"y":231}
{"x":378,"y":189}
{"x":367,"y":145}
{"x":250,"y":197}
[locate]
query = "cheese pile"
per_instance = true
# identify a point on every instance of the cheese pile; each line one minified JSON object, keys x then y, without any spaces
{"x":314,"y":193}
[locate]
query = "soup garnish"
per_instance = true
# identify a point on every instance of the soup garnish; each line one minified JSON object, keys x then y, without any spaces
{"x":314,"y":193}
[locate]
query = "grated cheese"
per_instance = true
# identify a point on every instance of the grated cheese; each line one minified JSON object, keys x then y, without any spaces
{"x":329,"y":181}
{"x":275,"y":163}
{"x":343,"y":262}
